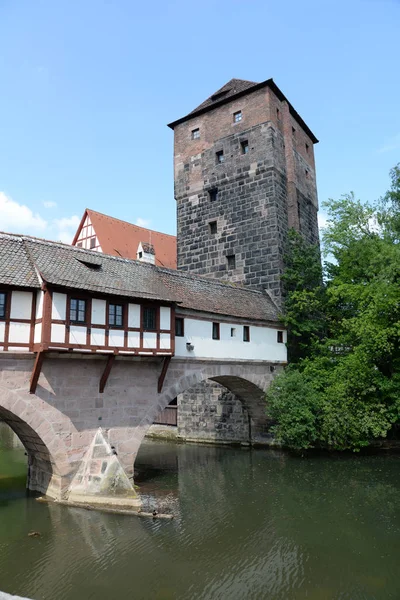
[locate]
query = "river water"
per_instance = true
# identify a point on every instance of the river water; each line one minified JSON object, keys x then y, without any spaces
{"x":249,"y":525}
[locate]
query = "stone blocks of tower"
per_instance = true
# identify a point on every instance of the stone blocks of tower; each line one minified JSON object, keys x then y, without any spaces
{"x":244,"y":173}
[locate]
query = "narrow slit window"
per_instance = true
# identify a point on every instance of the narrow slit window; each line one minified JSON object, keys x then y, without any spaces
{"x":115,"y":315}
{"x":3,"y":300}
{"x":307,"y":148}
{"x":237,"y":116}
{"x":220,"y":157}
{"x":279,"y":337}
{"x":278,"y":113}
{"x":196,"y":134}
{"x":215,"y":331}
{"x":179,"y":327}
{"x":213,"y":195}
{"x":213,"y":227}
{"x":293,"y":132}
{"x":77,"y":310}
{"x":244,"y":147}
{"x":233,"y":331}
{"x":231,"y":261}
{"x":246,"y":333}
{"x":149,"y":318}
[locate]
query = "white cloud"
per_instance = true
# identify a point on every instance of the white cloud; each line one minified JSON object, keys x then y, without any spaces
{"x":67,"y":222}
{"x":142,"y":222}
{"x":49,"y":204}
{"x":391,"y":144}
{"x":19,"y":218}
{"x":322,"y":220}
{"x":65,"y":236}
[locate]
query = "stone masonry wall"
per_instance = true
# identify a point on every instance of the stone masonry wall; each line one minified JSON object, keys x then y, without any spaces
{"x":209,"y":412}
{"x":250,"y":212}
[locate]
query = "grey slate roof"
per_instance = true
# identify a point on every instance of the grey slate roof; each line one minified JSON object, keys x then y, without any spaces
{"x":26,"y":261}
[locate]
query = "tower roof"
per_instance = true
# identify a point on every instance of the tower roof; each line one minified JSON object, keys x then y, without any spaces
{"x":235,"y":88}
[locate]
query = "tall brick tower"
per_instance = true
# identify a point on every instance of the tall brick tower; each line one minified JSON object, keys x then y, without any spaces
{"x":244,"y":173}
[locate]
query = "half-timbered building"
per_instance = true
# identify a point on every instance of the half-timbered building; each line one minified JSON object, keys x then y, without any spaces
{"x":59,"y":298}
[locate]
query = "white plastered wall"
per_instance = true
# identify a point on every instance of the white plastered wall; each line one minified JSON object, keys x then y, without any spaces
{"x":263,"y":343}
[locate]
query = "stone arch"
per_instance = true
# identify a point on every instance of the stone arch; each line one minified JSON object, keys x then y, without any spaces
{"x":35,"y":423}
{"x":248,"y":383}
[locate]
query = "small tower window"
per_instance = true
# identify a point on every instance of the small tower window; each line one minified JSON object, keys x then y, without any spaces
{"x":307,"y":173}
{"x":278,"y":113}
{"x":293,"y":132}
{"x":237,"y":116}
{"x":231,"y":262}
{"x":179,"y":327}
{"x":244,"y":146}
{"x":279,"y":337}
{"x":215,"y":331}
{"x":196,"y":134}
{"x":246,"y":333}
{"x":220,"y":157}
{"x":213,"y":227}
{"x":213,"y":194}
{"x":307,"y":148}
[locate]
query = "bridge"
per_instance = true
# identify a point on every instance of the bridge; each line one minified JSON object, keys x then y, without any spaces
{"x":94,"y":347}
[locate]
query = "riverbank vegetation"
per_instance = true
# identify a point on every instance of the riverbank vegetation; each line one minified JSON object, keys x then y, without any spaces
{"x":341,"y":389}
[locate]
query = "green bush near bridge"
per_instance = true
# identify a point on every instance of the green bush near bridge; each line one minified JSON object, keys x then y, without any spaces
{"x":342,"y":388}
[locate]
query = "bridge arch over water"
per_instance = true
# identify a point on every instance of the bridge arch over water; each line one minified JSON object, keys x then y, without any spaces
{"x":60,"y":422}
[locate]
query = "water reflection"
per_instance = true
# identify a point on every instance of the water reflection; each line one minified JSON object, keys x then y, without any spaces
{"x":249,"y":525}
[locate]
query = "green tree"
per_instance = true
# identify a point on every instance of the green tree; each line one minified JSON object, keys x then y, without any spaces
{"x":347,"y":349}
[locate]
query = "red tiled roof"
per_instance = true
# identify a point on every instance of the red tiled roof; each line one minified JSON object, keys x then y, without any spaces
{"x":120,"y":238}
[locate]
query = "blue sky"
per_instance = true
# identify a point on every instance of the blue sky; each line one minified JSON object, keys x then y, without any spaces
{"x":88,"y":86}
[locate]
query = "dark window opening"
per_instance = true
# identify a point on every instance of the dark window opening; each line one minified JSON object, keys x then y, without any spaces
{"x":279,"y":337}
{"x":195,"y":134}
{"x":220,"y":157}
{"x":246,"y":333}
{"x":237,"y":116}
{"x":307,"y":172}
{"x":278,"y":113}
{"x":115,"y":315}
{"x":293,"y":131}
{"x":77,"y":311}
{"x":244,"y":146}
{"x":140,"y":254}
{"x":231,"y":261}
{"x":307,"y":148}
{"x":149,"y":318}
{"x":233,"y":331}
{"x":92,"y":243}
{"x":213,"y":194}
{"x":213,"y":227}
{"x":179,"y":327}
{"x":215,"y":331}
{"x":3,"y":300}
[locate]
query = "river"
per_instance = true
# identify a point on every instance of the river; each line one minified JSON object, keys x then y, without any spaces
{"x":249,"y":525}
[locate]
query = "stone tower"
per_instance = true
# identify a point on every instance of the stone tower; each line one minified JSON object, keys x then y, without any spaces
{"x":244,"y":173}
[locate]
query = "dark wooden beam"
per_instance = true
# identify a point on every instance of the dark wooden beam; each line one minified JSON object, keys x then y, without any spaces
{"x":166,"y":361}
{"x":36,"y":372}
{"x":106,"y":372}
